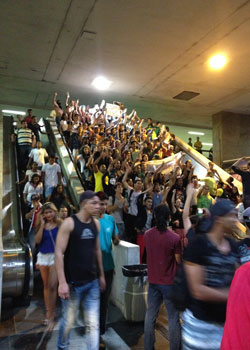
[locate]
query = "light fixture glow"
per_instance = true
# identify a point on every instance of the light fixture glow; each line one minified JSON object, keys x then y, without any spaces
{"x":207,"y":144}
{"x":101,"y":83}
{"x":218,"y":61}
{"x":8,"y":111}
{"x":195,"y":133}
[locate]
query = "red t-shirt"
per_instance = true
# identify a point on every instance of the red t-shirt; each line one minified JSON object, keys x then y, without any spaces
{"x":28,"y":119}
{"x":237,"y":326}
{"x":161,"y":249}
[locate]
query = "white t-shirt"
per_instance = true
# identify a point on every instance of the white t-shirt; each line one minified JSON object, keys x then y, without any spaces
{"x":64,"y":125}
{"x":38,"y":155}
{"x":29,"y":189}
{"x":51,"y":177}
{"x":29,"y":173}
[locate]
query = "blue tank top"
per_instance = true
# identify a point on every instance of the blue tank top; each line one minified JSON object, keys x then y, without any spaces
{"x":48,"y":241}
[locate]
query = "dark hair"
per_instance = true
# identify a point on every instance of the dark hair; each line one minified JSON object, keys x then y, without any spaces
{"x":33,"y":176}
{"x":102,"y":196}
{"x":55,"y":193}
{"x":161,"y":215}
{"x":117,"y":184}
{"x":59,"y":104}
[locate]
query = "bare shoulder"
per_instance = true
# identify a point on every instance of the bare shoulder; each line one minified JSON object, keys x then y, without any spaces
{"x":67,"y":225}
{"x":97,"y":223}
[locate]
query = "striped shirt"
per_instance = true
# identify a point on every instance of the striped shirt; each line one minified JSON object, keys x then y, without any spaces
{"x":24,"y":137}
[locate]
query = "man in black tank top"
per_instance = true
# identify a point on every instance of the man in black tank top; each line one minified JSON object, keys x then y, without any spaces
{"x":80,"y":272}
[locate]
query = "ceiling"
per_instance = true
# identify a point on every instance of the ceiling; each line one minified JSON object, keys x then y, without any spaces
{"x":150,"y":50}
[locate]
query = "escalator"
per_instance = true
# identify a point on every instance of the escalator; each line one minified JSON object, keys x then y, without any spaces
{"x":71,"y":175}
{"x":16,"y":269}
{"x":200,"y":162}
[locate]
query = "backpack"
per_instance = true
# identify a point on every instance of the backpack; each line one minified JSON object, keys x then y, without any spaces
{"x":180,"y":297}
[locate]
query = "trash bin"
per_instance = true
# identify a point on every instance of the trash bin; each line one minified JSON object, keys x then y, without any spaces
{"x":135,"y":292}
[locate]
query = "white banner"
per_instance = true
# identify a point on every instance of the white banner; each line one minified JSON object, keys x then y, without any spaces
{"x":167,"y":164}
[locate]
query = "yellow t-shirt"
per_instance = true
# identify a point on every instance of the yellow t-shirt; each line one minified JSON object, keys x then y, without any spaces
{"x":98,"y":181}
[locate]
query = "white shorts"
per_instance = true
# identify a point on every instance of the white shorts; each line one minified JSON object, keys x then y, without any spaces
{"x":45,"y":259}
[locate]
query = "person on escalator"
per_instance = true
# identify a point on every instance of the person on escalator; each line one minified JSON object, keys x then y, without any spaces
{"x":36,"y":128}
{"x":51,"y":175}
{"x":25,"y":141}
{"x":34,"y":186}
{"x":31,"y":215}
{"x":38,"y":155}
{"x":59,"y":198}
{"x":29,"y":173}
{"x":47,"y":227}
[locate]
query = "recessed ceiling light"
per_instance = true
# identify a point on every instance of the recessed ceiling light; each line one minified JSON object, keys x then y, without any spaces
{"x":101,"y":83}
{"x":195,"y":133}
{"x":207,"y":144}
{"x":217,"y":61}
{"x":8,"y":111}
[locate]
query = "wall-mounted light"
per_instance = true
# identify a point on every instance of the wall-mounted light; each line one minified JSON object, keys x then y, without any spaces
{"x":8,"y":111}
{"x":196,"y":133}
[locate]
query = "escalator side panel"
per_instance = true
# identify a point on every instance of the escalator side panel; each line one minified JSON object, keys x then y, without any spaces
{"x":17,"y":267}
{"x":201,"y":163}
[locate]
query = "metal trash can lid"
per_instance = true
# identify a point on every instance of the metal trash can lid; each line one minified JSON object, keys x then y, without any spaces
{"x":135,"y":270}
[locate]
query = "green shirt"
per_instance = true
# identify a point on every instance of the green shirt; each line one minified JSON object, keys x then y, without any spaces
{"x":204,"y":201}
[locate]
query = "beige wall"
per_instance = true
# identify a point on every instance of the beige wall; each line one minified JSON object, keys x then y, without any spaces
{"x":231,"y":136}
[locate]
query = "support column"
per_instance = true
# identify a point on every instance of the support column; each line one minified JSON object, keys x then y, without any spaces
{"x":231,"y":136}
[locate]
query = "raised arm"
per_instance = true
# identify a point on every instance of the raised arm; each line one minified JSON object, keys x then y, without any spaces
{"x":124,"y":179}
{"x":54,"y":100}
{"x":173,"y":202}
{"x":186,"y":210}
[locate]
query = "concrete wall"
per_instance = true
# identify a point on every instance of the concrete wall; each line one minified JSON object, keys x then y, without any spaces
{"x":231,"y":136}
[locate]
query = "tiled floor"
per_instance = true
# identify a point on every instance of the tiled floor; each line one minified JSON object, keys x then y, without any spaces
{"x":22,"y":328}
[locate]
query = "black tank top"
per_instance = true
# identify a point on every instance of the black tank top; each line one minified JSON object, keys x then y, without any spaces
{"x":79,"y":258}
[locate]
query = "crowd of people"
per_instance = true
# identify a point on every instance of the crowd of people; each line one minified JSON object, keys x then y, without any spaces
{"x":131,"y":192}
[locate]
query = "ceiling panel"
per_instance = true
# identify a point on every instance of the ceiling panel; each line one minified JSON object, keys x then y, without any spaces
{"x":150,"y":50}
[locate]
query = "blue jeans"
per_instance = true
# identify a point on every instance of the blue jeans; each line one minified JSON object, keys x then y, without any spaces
{"x":157,"y":293}
{"x":89,"y":295}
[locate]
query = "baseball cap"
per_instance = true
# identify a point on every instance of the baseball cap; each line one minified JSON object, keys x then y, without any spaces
{"x":221,"y":208}
{"x":87,"y":195}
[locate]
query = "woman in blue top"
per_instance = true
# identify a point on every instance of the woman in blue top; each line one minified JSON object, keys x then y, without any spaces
{"x":47,"y":228}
